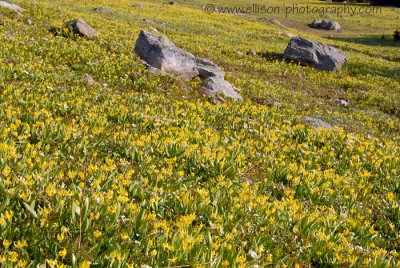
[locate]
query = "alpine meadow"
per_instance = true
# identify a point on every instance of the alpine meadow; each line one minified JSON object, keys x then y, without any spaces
{"x":224,"y":133}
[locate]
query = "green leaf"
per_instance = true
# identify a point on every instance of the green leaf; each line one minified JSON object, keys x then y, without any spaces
{"x":31,"y":208}
{"x":75,"y":209}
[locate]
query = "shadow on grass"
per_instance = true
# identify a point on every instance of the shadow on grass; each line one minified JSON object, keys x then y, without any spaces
{"x":373,"y":40}
{"x":389,"y":72}
{"x":271,"y":56}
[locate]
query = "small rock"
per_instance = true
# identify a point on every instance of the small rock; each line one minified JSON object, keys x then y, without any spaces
{"x":217,"y":85}
{"x":80,"y":27}
{"x":314,"y":54}
{"x":208,"y":69}
{"x":341,"y":101}
{"x":88,"y":80}
{"x":239,"y":53}
{"x":148,"y":20}
{"x":138,"y":5}
{"x":267,"y":102}
{"x":102,"y":10}
{"x":14,"y":7}
{"x":315,"y":122}
{"x":251,"y":52}
{"x":29,"y":22}
{"x":286,"y":34}
{"x":275,"y":21}
{"x":326,"y":25}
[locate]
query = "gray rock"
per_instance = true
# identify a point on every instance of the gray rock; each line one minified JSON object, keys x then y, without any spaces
{"x":287,"y":34}
{"x":275,"y":21}
{"x":148,"y":20}
{"x":88,"y":80}
{"x":29,"y":22}
{"x":272,"y":20}
{"x":315,"y":122}
{"x":218,"y":86}
{"x":102,"y":10}
{"x":138,"y":5}
{"x":215,"y":84}
{"x":208,"y":69}
{"x":80,"y":27}
{"x":314,"y":54}
{"x":326,"y":25}
{"x":341,"y":101}
{"x":11,"y":6}
{"x":159,"y":52}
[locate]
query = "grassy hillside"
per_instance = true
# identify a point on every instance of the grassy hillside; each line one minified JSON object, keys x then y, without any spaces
{"x":140,"y":169}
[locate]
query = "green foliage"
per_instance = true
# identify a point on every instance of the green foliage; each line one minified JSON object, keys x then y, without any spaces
{"x":139,"y":169}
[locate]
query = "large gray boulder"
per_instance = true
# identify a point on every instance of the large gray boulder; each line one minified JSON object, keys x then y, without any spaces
{"x":314,"y":54}
{"x":326,"y":25}
{"x":159,"y":52}
{"x":14,"y":7}
{"x":80,"y":27}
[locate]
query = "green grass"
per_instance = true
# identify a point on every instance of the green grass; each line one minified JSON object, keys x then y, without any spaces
{"x":139,"y":169}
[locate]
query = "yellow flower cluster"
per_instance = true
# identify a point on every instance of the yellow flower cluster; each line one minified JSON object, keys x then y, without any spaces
{"x":139,"y":169}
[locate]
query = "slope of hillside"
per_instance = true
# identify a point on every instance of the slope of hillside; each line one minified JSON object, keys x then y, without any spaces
{"x":140,"y":170}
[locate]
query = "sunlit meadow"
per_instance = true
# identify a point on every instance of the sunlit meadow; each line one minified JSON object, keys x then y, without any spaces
{"x":140,"y":170}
